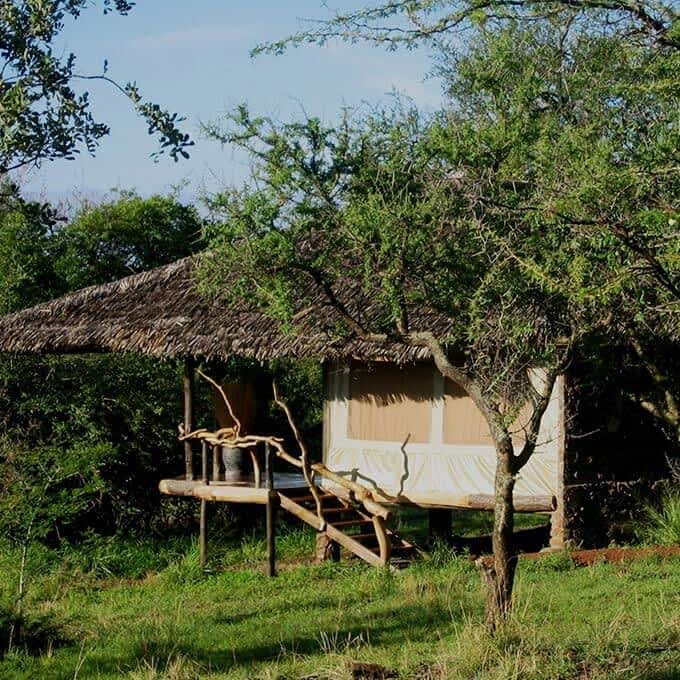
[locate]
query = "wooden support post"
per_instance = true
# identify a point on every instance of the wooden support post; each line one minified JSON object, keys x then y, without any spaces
{"x":558,"y":518}
{"x":440,"y":525}
{"x":326,"y":549}
{"x":202,"y":542}
{"x":188,"y":415}
{"x":217,"y":450}
{"x":272,"y":499}
{"x":204,"y":462}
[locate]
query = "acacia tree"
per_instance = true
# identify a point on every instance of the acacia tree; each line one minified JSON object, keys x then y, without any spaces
{"x":489,"y":214}
{"x":407,"y":23}
{"x":42,"y":117}
{"x":371,"y":209}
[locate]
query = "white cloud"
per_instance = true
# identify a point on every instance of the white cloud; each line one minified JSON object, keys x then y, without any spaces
{"x":423,"y":92}
{"x":381,"y":72}
{"x":192,"y":38}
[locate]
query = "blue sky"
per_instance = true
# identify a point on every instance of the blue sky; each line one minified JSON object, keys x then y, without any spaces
{"x":193,"y":58}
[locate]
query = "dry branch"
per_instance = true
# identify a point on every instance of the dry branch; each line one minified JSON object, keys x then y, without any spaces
{"x":304,"y":457}
{"x":227,"y":403}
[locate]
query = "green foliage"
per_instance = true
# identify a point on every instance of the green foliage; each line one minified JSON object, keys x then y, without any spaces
{"x":660,"y":523}
{"x":43,"y":116}
{"x":48,"y":489}
{"x":27,"y":243}
{"x":126,"y":236}
{"x":86,"y":438}
{"x":93,"y":447}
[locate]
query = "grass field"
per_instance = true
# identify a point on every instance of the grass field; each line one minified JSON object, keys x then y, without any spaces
{"x":117,"y":610}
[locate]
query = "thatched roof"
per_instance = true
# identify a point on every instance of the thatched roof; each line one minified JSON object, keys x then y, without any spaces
{"x":160,"y":313}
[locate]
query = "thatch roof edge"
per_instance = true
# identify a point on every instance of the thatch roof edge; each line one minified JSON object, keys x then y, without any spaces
{"x":160,"y":313}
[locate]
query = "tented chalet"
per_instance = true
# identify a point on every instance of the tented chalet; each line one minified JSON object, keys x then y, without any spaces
{"x":414,"y":437}
{"x":395,"y":432}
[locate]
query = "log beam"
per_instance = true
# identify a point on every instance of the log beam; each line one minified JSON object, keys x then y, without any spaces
{"x":520,"y":503}
{"x":302,"y":513}
{"x":272,"y":504}
{"x":189,"y":384}
{"x":354,"y":546}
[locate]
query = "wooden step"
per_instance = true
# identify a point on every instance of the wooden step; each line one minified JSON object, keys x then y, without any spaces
{"x":400,"y":562}
{"x":346,"y":523}
{"x":367,"y":538}
{"x":402,"y":551}
{"x":354,"y":546}
{"x":338,"y":511}
{"x":308,"y":497}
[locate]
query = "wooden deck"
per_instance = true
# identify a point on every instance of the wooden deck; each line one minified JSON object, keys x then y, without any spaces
{"x":242,"y":491}
{"x":245,"y":491}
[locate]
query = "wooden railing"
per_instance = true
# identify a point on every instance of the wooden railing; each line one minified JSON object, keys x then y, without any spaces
{"x":232,"y":437}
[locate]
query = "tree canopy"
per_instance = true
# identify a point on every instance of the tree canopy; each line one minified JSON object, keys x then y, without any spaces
{"x":537,"y":209}
{"x":407,"y":23}
{"x":42,"y":116}
{"x":129,"y":235}
{"x":82,"y":436}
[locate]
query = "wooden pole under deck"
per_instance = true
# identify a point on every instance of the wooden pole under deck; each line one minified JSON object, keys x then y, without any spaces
{"x":202,"y":543}
{"x":272,"y":501}
{"x":188,"y":415}
{"x":440,"y":521}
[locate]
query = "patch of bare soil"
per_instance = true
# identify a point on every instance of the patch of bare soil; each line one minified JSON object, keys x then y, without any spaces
{"x":584,"y":558}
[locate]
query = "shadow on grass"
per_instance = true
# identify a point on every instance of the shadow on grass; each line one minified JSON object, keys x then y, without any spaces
{"x":664,"y":674}
{"x":32,"y":634}
{"x":415,"y":620}
{"x":526,"y":540}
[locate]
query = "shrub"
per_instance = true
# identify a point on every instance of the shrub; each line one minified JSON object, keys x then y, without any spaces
{"x":661,"y":523}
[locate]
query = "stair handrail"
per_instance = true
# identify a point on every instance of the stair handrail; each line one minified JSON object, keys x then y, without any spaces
{"x":307,"y":472}
{"x":362,"y":493}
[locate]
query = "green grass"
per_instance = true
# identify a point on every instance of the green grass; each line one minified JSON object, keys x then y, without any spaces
{"x":660,"y":524}
{"x":598,"y":622}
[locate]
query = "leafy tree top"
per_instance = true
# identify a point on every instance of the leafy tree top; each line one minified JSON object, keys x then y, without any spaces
{"x":537,"y":208}
{"x":408,"y":23}
{"x":42,"y":117}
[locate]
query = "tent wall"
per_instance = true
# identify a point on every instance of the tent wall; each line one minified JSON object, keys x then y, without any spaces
{"x":415,"y":439}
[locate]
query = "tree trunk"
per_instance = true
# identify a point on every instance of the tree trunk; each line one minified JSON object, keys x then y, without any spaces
{"x":500,"y":575}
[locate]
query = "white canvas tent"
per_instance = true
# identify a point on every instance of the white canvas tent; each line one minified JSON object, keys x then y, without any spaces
{"x":415,"y":438}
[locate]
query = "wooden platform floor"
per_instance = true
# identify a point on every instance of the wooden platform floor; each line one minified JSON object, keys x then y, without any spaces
{"x":245,"y":491}
{"x":241,"y":491}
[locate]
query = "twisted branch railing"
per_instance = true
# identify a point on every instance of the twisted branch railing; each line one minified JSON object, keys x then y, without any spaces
{"x":232,"y":437}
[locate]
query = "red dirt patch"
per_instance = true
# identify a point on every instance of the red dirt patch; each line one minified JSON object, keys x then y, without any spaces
{"x":584,"y":558}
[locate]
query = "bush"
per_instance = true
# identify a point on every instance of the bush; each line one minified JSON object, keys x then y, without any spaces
{"x":661,"y":523}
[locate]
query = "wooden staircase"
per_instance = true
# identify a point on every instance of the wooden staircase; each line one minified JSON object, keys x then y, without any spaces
{"x":345,"y":512}
{"x":346,"y":523}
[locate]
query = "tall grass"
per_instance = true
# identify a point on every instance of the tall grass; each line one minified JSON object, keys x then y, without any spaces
{"x":316,"y":620}
{"x":660,"y":524}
